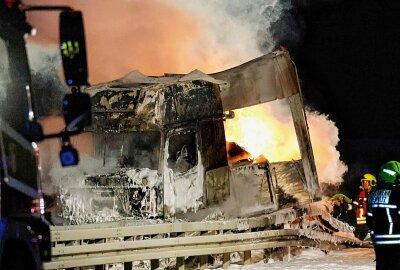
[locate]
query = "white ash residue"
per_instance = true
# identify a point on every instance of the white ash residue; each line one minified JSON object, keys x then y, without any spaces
{"x":91,"y":193}
{"x":184,"y":191}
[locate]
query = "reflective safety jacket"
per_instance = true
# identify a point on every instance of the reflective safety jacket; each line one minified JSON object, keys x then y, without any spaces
{"x":361,"y":209}
{"x":383,"y":215}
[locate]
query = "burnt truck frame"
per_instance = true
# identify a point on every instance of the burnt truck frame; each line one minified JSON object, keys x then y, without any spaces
{"x":187,"y":113}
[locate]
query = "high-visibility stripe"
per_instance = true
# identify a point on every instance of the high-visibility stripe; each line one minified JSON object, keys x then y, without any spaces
{"x":390,"y":221}
{"x":384,"y":206}
{"x":382,"y":236}
{"x":389,"y":172}
{"x":387,"y":242}
{"x":369,"y":214}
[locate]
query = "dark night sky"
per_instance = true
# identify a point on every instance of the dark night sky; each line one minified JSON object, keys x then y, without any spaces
{"x":349,"y":63}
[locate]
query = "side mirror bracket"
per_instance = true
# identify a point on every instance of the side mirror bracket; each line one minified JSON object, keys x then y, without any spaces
{"x":77,"y":115}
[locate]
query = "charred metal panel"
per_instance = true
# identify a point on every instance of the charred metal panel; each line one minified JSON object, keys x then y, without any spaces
{"x":118,"y":108}
{"x":125,"y":109}
{"x":213,"y":153}
{"x":137,"y":192}
{"x":217,"y":185}
{"x":212,"y":144}
{"x":289,"y":178}
{"x":129,"y":150}
{"x":192,"y":100}
{"x":260,"y":80}
{"x":304,"y":141}
{"x":251,"y":186}
{"x":109,"y":100}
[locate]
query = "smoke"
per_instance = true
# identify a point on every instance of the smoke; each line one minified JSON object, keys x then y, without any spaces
{"x":49,"y":152}
{"x":324,"y":139}
{"x":242,"y":30}
{"x":289,"y":29}
{"x":74,"y":177}
{"x":178,"y":36}
{"x":45,"y":64}
{"x":167,"y":36}
{"x":232,"y":32}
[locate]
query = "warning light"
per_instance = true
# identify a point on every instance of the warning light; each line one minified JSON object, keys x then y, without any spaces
{"x":68,"y":156}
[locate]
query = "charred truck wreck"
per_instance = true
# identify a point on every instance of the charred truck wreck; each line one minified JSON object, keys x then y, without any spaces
{"x":167,"y":134}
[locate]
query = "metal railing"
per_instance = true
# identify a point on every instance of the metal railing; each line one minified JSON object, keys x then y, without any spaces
{"x":126,"y":242}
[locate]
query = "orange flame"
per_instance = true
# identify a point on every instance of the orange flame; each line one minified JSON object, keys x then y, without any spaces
{"x":268,"y":130}
{"x":255,"y":129}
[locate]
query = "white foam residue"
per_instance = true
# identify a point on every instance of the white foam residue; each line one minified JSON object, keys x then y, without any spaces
{"x":145,"y":177}
{"x":183,"y":191}
{"x":243,"y":225}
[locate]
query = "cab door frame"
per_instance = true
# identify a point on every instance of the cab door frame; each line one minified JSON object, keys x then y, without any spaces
{"x":184,"y":189}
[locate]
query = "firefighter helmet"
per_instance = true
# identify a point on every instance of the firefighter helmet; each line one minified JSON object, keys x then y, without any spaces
{"x":370,"y":178}
{"x":390,"y":173}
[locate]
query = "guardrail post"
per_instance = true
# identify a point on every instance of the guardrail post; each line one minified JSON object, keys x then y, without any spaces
{"x":180,"y":263}
{"x":247,"y":257}
{"x":154,"y":264}
{"x":101,"y":266}
{"x":203,"y":262}
{"x":226,"y":259}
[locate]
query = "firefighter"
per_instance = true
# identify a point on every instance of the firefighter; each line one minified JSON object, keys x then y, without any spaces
{"x":344,"y":206}
{"x":343,"y":209}
{"x":367,"y":183}
{"x":383,"y":216}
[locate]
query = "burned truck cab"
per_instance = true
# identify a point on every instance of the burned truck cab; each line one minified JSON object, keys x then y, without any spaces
{"x":165,"y":138}
{"x":166,"y":135}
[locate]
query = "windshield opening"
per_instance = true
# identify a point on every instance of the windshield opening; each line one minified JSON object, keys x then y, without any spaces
{"x":182,"y":152}
{"x":129,"y":150}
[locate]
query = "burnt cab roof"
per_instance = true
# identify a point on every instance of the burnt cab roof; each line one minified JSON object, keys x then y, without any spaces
{"x":137,"y":102}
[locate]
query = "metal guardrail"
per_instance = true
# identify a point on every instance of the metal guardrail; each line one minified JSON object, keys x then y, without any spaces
{"x":109,"y":243}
